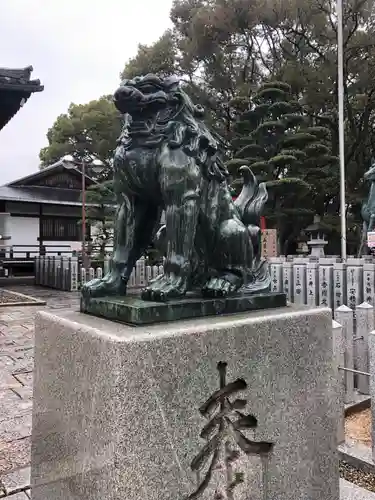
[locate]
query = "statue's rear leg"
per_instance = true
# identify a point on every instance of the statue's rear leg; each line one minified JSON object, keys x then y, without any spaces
{"x":231,"y":263}
{"x":135,"y":226}
{"x":232,"y":255}
{"x":363,"y":239}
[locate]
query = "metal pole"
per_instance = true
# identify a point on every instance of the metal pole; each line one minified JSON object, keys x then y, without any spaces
{"x":340,"y":98}
{"x":366,"y":374}
{"x":84,"y":260}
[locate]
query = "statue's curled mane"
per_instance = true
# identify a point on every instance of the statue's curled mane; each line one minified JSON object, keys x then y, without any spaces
{"x":188,"y":131}
{"x":185,"y":129}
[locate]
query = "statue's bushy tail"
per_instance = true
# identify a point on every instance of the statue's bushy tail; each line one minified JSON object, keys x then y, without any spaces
{"x":252,"y":199}
{"x":250,"y":204}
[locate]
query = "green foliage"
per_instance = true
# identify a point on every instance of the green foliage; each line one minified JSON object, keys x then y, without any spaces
{"x":297,"y":139}
{"x":320,"y":132}
{"x":281,"y":149}
{"x":269,"y":127}
{"x":316,"y":150}
{"x":89,"y":131}
{"x":251,"y":150}
{"x":101,"y":213}
{"x":283,"y":160}
{"x":85,"y":131}
{"x":292,"y":120}
{"x":280,"y":86}
{"x":158,"y":58}
{"x":297,"y":153}
{"x":272,"y":94}
{"x":278,"y":109}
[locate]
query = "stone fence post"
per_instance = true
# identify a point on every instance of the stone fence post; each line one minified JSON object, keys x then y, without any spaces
{"x":339,"y":284}
{"x":73,"y":274}
{"x":339,"y":360}
{"x":288,"y":280}
{"x":83,"y":276}
{"x":371,"y":345}
{"x":354,"y":276}
{"x":276,"y":271}
{"x":299,"y":284}
{"x":344,"y":316}
{"x":365,"y":324}
{"x":369,"y":282}
{"x":326,"y":285}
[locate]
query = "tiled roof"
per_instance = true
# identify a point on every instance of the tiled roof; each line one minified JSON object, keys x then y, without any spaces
{"x":56,"y":196}
{"x":16,"y":87}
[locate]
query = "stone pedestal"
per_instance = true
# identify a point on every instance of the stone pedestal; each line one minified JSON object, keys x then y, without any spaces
{"x":317,"y":247}
{"x":371,"y":351}
{"x":181,"y":410}
{"x":135,"y":311}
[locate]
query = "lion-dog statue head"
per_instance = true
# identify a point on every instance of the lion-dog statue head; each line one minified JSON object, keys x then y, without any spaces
{"x":159,"y":109}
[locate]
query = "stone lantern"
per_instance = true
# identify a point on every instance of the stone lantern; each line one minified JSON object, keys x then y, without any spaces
{"x":316,"y":237}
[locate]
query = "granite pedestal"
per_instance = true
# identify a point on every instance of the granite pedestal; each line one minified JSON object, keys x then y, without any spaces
{"x":177,"y":411}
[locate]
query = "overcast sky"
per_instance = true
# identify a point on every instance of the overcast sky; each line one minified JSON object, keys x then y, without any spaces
{"x":77,"y":49}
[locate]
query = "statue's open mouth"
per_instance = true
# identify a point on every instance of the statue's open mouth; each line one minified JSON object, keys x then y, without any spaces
{"x":140,"y":98}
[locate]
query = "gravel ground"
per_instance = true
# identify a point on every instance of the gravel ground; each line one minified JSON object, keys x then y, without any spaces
{"x":358,"y":427}
{"x":360,"y":478}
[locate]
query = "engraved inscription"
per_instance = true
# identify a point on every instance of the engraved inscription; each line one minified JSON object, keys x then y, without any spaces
{"x":225,"y":439}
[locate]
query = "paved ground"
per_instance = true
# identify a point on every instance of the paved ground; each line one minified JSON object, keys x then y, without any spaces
{"x":16,"y":365}
{"x":349,"y":491}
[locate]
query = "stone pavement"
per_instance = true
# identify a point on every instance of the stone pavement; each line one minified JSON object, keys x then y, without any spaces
{"x":349,"y":491}
{"x":16,"y":379}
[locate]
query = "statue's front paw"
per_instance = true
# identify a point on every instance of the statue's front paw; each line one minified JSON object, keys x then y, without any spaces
{"x":104,"y":286}
{"x":165,"y":287}
{"x":219,"y":287}
{"x":90,"y":286}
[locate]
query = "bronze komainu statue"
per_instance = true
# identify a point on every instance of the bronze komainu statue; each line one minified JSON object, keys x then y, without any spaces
{"x":368,"y":210}
{"x":167,"y":159}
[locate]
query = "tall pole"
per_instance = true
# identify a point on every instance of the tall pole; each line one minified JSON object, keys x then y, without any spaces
{"x":340,"y":98}
{"x":84,"y":260}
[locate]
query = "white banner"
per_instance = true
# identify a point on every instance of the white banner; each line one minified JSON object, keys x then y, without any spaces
{"x":371,"y":239}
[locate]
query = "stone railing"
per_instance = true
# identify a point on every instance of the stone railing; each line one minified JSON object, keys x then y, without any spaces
{"x":326,"y":281}
{"x":64,"y":273}
{"x":352,"y":332}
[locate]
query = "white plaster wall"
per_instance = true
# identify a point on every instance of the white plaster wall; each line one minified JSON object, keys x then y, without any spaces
{"x":25,"y":231}
{"x":52,"y":247}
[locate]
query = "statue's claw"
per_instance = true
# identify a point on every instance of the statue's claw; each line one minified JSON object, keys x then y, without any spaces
{"x":109,"y":285}
{"x":164,"y":288}
{"x":219,"y":288}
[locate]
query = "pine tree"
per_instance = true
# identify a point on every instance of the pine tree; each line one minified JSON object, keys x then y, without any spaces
{"x":277,"y":140}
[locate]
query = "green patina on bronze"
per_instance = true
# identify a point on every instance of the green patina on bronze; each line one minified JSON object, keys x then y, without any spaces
{"x":133,"y":310}
{"x":167,"y":159}
{"x":368,"y":209}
